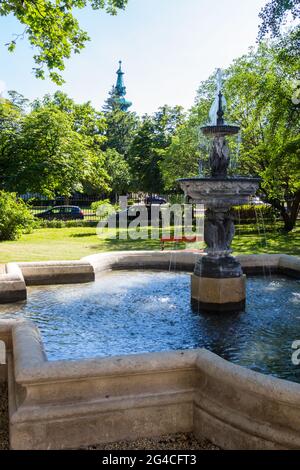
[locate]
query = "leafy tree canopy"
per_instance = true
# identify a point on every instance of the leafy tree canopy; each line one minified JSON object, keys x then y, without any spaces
{"x":50,"y":151}
{"x":121,"y":126}
{"x":260,"y":90}
{"x":86,"y":120}
{"x":274,"y":14}
{"x":53,"y":30}
{"x":154,"y":135}
{"x":119,"y":172}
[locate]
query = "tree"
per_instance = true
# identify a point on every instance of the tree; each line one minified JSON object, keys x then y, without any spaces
{"x":48,"y":157}
{"x":119,"y":172}
{"x":11,"y":117}
{"x":154,"y":135}
{"x":90,"y":124}
{"x":188,"y":145}
{"x":86,"y":120}
{"x":52,"y":29}
{"x":260,"y":91}
{"x":121,"y":126}
{"x":15,"y":217}
{"x":274,"y":15}
{"x":180,"y":158}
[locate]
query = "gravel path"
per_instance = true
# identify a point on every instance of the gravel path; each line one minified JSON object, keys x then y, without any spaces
{"x":3,"y":418}
{"x":174,"y":442}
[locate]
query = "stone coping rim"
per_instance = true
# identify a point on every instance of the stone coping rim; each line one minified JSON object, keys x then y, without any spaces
{"x":253,"y":410}
{"x":32,"y":366}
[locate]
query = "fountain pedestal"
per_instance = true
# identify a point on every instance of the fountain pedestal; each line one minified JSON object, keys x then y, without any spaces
{"x":218,"y":294}
{"x":218,"y":283}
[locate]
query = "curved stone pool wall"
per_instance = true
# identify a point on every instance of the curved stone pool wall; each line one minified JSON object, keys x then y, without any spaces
{"x":68,"y":404}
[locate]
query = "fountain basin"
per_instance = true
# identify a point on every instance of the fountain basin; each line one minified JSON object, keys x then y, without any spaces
{"x":67,"y":404}
{"x":128,"y":312}
{"x":220,"y":131}
{"x":220,"y":192}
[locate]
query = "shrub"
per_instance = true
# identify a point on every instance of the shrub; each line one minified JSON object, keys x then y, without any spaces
{"x":65,"y":223}
{"x":15,"y":217}
{"x":254,"y":213}
{"x":96,"y":204}
{"x":104,"y":208}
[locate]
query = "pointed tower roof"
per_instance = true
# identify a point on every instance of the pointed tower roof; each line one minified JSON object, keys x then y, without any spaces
{"x":120,"y":89}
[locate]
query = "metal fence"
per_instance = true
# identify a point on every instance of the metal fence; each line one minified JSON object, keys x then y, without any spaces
{"x":82,"y":201}
{"x":89,"y":215}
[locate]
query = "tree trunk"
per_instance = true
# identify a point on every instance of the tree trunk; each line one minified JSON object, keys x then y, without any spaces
{"x":289,"y":212}
{"x":289,"y":223}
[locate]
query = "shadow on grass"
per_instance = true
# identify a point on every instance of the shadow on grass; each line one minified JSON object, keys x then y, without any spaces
{"x":135,"y":245}
{"x":82,"y":235}
{"x":247,"y":243}
{"x":272,"y":243}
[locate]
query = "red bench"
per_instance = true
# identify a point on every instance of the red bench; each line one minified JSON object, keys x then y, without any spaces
{"x":182,"y":239}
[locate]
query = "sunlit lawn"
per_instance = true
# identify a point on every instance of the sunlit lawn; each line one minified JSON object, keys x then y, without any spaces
{"x":77,"y":242}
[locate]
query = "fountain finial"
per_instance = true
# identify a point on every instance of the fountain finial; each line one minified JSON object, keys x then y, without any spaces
{"x":220,"y":112}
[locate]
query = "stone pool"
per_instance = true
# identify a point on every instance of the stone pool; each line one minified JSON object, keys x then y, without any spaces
{"x":129,"y":312}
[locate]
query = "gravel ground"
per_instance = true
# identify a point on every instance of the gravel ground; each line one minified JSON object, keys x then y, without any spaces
{"x":174,"y":442}
{"x":3,"y":418}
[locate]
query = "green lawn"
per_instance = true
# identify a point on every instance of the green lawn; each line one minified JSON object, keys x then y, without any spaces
{"x":74,"y":243}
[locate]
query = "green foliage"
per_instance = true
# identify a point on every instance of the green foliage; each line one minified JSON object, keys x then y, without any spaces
{"x":52,"y":29}
{"x":55,"y":149}
{"x":121,"y":126}
{"x":188,"y":145}
{"x":260,"y":91}
{"x":274,"y":15}
{"x":253,"y":213}
{"x":64,"y":223}
{"x":15,"y":217}
{"x":91,"y":125}
{"x":259,"y":88}
{"x":45,"y":156}
{"x":145,"y":154}
{"x":104,"y":208}
{"x":119,"y":172}
{"x":96,"y":204}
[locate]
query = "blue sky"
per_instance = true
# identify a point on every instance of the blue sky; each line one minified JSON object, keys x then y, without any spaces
{"x":167,"y":48}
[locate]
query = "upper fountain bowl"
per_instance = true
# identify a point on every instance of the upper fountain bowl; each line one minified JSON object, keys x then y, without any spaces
{"x":220,"y":130}
{"x":220,"y":192}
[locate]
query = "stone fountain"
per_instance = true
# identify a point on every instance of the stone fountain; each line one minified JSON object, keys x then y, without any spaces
{"x":218,"y":282}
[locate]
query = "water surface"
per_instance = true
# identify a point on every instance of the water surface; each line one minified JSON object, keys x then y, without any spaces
{"x":127,"y":312}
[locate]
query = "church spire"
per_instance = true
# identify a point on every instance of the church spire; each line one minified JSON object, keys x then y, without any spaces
{"x":120,"y":90}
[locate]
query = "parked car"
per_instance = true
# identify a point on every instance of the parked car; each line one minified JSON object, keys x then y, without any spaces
{"x":132,"y":212}
{"x":155,"y":200}
{"x":256,"y":201}
{"x":62,"y":213}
